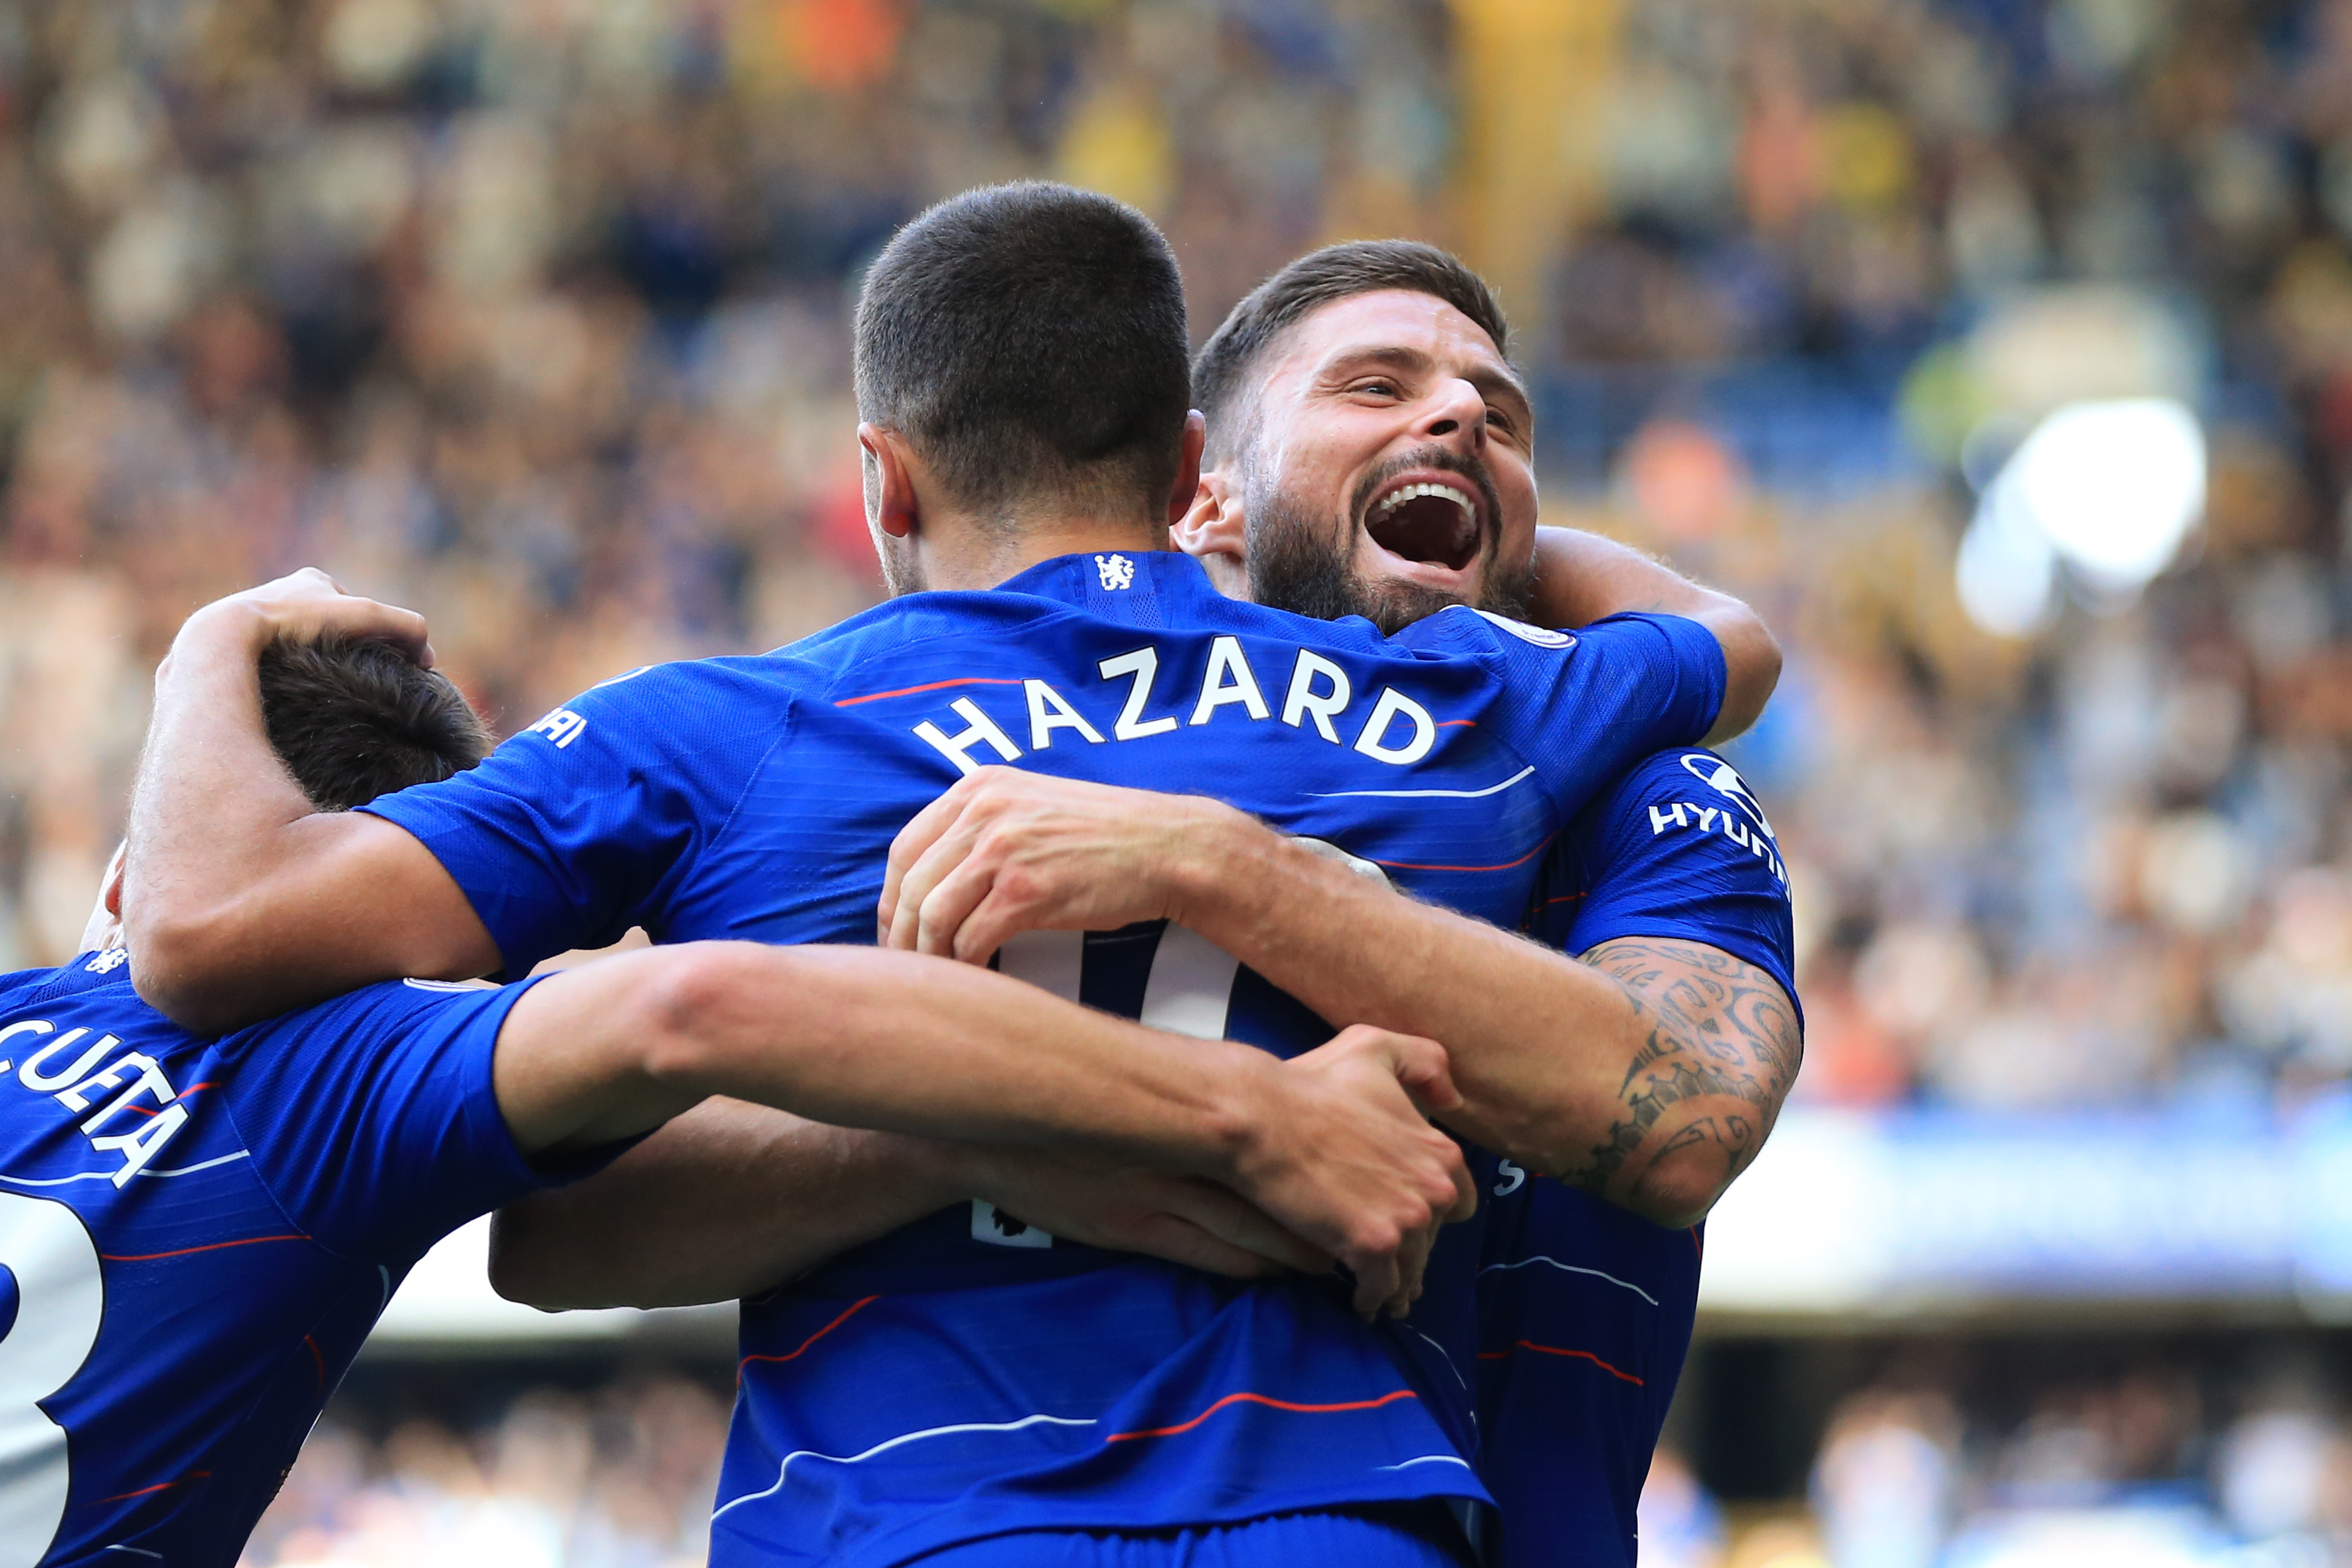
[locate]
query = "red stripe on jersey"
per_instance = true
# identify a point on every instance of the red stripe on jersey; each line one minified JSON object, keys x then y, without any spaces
{"x":934,"y":686}
{"x":1410,"y":866}
{"x":1263,"y":1399}
{"x":855,"y":1308}
{"x":160,"y":1486}
{"x":182,"y":1252}
{"x":1555,"y":1350}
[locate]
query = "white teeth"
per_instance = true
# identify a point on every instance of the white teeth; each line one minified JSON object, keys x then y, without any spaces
{"x":1391,"y":502}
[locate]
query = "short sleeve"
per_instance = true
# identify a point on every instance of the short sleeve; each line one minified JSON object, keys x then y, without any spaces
{"x":1679,"y":847}
{"x":1582,"y":705}
{"x":373,"y":1119}
{"x":577,"y":828}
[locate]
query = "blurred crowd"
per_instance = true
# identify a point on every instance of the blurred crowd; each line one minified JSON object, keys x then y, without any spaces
{"x":619,"y":1477}
{"x":2164,"y":1465}
{"x":532,"y":314}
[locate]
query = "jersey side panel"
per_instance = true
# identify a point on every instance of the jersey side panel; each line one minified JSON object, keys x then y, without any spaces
{"x":1586,"y":1311}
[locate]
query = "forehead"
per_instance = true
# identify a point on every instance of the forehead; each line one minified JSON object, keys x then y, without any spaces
{"x":1389,"y":318}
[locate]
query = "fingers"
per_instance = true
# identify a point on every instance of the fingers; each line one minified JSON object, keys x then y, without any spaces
{"x":941,"y":915}
{"x":1465,"y":1192}
{"x":1422,"y":1067}
{"x":946,"y":852}
{"x":1379,"y":1280}
{"x":1179,"y":1240}
{"x":913,"y":841}
{"x":1235,"y":1220}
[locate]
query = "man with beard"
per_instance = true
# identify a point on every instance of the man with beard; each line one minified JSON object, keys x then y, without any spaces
{"x":1670,"y":883}
{"x":1369,"y":456}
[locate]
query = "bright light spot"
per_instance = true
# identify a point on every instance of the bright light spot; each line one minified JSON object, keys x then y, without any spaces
{"x":2114,"y":485}
{"x":2007,"y":570}
{"x":2109,"y":488}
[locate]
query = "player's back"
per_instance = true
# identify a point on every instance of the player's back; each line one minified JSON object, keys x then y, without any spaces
{"x":196,"y":1236}
{"x":1029,"y":1382}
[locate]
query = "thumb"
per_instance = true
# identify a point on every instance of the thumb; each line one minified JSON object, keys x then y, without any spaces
{"x":1421,"y":1067}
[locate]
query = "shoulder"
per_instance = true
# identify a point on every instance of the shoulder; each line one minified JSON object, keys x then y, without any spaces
{"x":385,"y":1010}
{"x":1675,"y":800}
{"x":687,"y":706}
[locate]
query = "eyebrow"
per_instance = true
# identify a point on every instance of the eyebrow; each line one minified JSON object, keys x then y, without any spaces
{"x":1489,"y":380}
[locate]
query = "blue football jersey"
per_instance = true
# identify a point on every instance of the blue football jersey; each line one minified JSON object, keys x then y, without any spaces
{"x":196,"y":1234}
{"x":1585,"y":1309}
{"x":969,"y":1375}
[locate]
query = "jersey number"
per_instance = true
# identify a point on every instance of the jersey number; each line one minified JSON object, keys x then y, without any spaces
{"x":1189,"y":991}
{"x":60,"y":1298}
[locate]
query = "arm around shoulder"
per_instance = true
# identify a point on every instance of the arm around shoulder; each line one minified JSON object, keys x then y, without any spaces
{"x":1581,"y":578}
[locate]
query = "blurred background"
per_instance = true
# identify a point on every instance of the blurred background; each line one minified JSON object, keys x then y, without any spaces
{"x":2001,"y":350}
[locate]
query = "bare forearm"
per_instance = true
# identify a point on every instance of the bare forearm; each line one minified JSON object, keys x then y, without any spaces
{"x":1537,"y":1043}
{"x":212,"y":802}
{"x":862,"y":1038}
{"x":1719,"y":1053}
{"x":240,"y":898}
{"x":1581,"y":578}
{"x":1648,"y":1074}
{"x":727,"y":1200}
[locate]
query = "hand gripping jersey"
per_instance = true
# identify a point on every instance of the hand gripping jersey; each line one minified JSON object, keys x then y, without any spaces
{"x":196,"y":1236}
{"x":969,"y":1375}
{"x":1584,"y":1309}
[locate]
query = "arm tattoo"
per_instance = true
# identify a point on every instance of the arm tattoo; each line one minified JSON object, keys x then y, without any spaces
{"x":1719,"y":1049}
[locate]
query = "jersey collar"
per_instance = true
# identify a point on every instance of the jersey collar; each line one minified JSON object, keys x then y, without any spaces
{"x":1117,"y":583}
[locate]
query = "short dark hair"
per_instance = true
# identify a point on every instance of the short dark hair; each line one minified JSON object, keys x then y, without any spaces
{"x":1220,"y":372}
{"x":356,"y":719}
{"x":1028,"y":338}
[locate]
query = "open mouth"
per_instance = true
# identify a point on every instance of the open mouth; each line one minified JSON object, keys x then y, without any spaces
{"x":1434,"y":523}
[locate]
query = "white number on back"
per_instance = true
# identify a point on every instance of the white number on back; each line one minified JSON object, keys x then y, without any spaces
{"x":1189,"y":991}
{"x":60,"y":1297}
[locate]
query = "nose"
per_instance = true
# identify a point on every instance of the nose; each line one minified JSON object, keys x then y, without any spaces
{"x":1457,"y":415}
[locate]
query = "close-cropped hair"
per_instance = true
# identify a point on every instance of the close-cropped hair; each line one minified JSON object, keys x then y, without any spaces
{"x":1220,"y":373}
{"x":1029,"y":340}
{"x":355,"y":719}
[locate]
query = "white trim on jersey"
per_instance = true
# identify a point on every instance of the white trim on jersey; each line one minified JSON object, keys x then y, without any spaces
{"x":1573,"y":1269}
{"x":1520,"y":777}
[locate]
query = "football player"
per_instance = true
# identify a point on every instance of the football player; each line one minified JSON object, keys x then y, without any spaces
{"x":196,"y":1234}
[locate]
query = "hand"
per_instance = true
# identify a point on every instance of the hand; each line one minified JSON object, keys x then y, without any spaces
{"x":305,"y":605}
{"x":1003,"y":852}
{"x":1343,"y":1157}
{"x":1131,"y":1208}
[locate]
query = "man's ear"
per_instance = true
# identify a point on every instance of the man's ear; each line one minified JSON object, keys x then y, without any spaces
{"x":1214,"y":530}
{"x":892,"y":506}
{"x":112,"y":895}
{"x":1188,"y":469}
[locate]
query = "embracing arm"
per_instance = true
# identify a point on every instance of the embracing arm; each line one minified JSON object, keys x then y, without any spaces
{"x":1330,"y":1143}
{"x":1647,"y":1074}
{"x":1583,"y":577}
{"x":241,"y":899}
{"x":1611,"y":1075}
{"x":731,"y":1199}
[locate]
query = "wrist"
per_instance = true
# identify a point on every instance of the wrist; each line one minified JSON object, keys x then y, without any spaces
{"x":1209,"y":869}
{"x":224,"y":626}
{"x":1245,"y":1106}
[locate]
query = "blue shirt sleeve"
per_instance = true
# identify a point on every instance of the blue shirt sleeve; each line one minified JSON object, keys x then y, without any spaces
{"x":1679,"y":847}
{"x":580,"y":827}
{"x":1582,"y":706}
{"x":373,"y":1119}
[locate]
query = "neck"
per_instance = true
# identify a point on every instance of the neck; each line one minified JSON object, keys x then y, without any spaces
{"x":968,"y":556}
